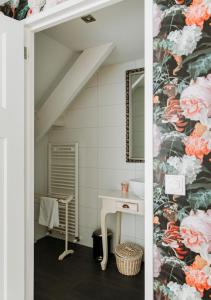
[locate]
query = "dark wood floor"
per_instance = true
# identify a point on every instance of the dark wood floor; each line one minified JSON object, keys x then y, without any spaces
{"x":78,"y":277}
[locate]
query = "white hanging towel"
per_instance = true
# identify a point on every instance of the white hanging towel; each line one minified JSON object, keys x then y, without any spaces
{"x":49,"y":212}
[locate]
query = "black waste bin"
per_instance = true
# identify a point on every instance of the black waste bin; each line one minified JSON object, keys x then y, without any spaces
{"x":97,"y":244}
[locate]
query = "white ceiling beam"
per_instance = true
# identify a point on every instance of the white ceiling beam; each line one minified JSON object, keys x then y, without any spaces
{"x":66,"y":11}
{"x":69,"y":87}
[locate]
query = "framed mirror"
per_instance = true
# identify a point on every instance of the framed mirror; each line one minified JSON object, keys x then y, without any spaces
{"x":135,"y":115}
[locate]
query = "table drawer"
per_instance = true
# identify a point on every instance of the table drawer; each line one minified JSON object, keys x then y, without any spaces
{"x":127,"y":206}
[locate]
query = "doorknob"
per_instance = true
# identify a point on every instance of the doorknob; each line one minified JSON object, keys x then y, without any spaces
{"x":125,"y":206}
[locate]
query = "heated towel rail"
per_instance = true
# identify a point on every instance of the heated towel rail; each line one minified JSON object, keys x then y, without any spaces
{"x":63,"y":182}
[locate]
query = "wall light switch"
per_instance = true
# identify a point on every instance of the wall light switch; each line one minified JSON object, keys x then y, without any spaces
{"x":175,"y":185}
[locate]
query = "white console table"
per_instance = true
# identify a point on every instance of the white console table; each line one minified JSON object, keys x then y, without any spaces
{"x":118,"y":203}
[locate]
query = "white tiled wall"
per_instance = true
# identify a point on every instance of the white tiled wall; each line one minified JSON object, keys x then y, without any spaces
{"x":96,"y":119}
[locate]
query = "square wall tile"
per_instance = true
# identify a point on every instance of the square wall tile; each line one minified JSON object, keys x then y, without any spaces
{"x":88,"y":177}
{"x":110,"y":116}
{"x":114,"y":158}
{"x":112,"y":94}
{"x":139,"y":170}
{"x":128,"y":224}
{"x":88,"y":197}
{"x":111,"y":137}
{"x":86,"y":137}
{"x":82,"y":118}
{"x":88,"y":157}
{"x":139,"y":224}
{"x":88,"y":217}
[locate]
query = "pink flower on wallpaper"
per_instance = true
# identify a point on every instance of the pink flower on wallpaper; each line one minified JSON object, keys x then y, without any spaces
{"x":195,"y":230}
{"x":198,"y":275}
{"x":196,"y":146}
{"x":192,"y":239}
{"x":195,"y":100}
{"x":192,"y":108}
{"x":197,"y":13}
{"x":197,"y":279}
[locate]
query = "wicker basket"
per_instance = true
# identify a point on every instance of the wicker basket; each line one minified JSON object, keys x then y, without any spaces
{"x":128,"y":258}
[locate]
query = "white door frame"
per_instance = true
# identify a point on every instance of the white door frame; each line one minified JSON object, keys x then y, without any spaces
{"x":59,"y":14}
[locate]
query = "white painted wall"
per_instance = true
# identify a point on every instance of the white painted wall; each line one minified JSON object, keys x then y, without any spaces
{"x":96,"y":119}
{"x":52,"y":60}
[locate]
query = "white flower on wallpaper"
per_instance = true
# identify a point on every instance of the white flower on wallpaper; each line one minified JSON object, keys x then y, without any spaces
{"x":157,"y":19}
{"x":184,"y":41}
{"x":207,"y":137}
{"x":37,"y":5}
{"x":189,"y":166}
{"x":157,"y":140}
{"x":208,"y":4}
{"x":51,"y":3}
{"x":207,"y":271}
{"x":157,"y":261}
{"x":195,"y":100}
{"x":195,"y":230}
{"x":183,"y":292}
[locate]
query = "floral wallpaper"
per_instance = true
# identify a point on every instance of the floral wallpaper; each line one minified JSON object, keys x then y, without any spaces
{"x":182,"y":145}
{"x":21,"y":9}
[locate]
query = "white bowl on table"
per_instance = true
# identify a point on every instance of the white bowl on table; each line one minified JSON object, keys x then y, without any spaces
{"x":136,"y":186}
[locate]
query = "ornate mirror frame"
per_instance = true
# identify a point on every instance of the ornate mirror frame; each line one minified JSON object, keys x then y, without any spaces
{"x":128,"y":73}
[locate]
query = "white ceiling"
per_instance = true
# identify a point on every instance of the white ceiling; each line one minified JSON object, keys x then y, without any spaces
{"x":122,"y":23}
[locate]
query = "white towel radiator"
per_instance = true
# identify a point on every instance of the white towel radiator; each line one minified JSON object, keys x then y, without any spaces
{"x":62,"y":183}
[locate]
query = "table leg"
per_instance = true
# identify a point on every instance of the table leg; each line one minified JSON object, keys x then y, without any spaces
{"x":104,"y":240}
{"x":118,"y":228}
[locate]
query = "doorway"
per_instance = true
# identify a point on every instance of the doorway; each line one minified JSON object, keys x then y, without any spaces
{"x":57,"y":128}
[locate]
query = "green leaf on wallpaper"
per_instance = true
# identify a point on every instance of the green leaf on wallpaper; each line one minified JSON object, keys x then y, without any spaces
{"x":173,"y":10}
{"x":172,"y":144}
{"x":160,"y":198}
{"x":164,"y":167}
{"x":21,"y":14}
{"x":173,"y":261}
{"x":162,"y":289}
{"x":199,"y":67}
{"x":181,"y":86}
{"x":196,"y":54}
{"x":200,"y":199}
{"x":158,"y":114}
{"x":182,"y":213}
{"x":160,"y":73}
{"x":158,"y":236}
{"x":162,"y":44}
